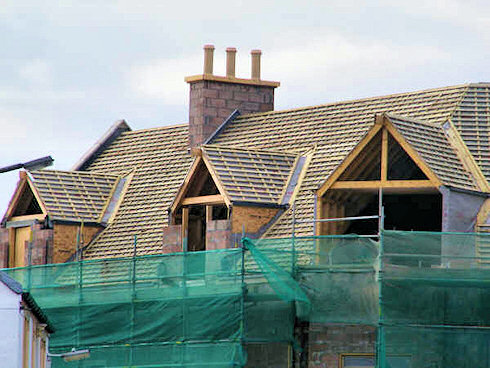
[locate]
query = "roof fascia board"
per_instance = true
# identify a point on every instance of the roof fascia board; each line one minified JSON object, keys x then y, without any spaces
{"x":184,"y":187}
{"x":228,"y":120}
{"x":465,"y":155}
{"x":350,"y":158}
{"x":110,"y":136}
{"x":419,"y":161}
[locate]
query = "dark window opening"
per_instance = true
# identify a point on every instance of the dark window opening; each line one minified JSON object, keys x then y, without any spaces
{"x":417,"y":212}
{"x":27,"y":204}
{"x":400,"y":164}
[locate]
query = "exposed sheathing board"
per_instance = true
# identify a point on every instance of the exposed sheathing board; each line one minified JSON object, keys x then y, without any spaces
{"x":73,"y":195}
{"x":251,"y":175}
{"x":335,"y":129}
{"x":472,"y":119}
{"x":160,"y":161}
{"x":436,"y":150}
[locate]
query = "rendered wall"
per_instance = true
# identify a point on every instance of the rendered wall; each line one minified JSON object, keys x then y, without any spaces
{"x":10,"y":322}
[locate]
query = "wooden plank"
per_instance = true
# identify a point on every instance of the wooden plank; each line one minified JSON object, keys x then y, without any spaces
{"x":384,"y":155}
{"x":376,"y":184}
{"x":209,"y":213}
{"x":185,"y":225}
{"x":11,"y":249}
{"x":209,"y":200}
{"x":39,"y":217}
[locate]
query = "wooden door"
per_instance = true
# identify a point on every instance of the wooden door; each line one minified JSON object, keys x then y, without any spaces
{"x":22,"y":236}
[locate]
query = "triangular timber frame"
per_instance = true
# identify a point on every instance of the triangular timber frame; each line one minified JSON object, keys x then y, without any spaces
{"x":385,"y":127}
{"x":181,"y":199}
{"x":24,"y":184}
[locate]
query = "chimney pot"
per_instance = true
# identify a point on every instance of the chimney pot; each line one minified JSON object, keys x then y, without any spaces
{"x":230,"y":62}
{"x":208,"y":59}
{"x":256,"y":64}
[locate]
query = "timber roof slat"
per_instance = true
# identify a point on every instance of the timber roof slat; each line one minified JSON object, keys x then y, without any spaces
{"x":73,"y":195}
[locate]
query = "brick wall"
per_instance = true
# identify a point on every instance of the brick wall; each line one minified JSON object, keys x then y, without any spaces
{"x":211,"y":102}
{"x":42,"y":245}
{"x":327,"y":342}
{"x":218,"y":235}
{"x":172,"y":239}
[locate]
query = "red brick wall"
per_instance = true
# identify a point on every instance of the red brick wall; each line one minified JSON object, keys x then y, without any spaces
{"x":211,"y":102}
{"x":42,"y":245}
{"x":327,"y":342}
{"x":218,"y":234}
{"x":172,"y":239}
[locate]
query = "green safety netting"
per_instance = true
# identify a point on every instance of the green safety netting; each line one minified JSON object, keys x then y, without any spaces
{"x":193,"y":309}
{"x":435,"y":298}
{"x":427,"y":294}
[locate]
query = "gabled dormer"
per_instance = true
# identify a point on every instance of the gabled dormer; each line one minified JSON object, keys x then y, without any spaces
{"x":229,"y":192}
{"x":55,"y":213}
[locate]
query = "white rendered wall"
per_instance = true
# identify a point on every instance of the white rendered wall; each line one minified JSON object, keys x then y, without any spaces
{"x":10,"y":328}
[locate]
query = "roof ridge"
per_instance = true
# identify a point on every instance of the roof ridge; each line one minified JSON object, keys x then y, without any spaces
{"x":157,"y":128}
{"x":264,"y":150}
{"x":363,"y":99}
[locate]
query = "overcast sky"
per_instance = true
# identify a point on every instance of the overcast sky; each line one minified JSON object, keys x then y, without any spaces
{"x":69,"y":69}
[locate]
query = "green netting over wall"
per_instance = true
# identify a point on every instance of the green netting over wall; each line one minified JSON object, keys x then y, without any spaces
{"x":428,"y":294}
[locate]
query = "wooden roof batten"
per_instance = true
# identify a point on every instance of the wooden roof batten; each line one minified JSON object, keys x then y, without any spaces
{"x":384,"y":126}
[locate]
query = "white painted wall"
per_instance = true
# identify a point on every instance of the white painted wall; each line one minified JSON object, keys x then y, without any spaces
{"x":10,"y":328}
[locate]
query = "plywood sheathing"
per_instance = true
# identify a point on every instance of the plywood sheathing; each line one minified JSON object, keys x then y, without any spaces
{"x":65,"y":240}
{"x":251,"y":219}
{"x":73,"y":195}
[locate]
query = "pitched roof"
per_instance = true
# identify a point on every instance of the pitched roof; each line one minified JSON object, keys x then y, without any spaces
{"x":251,"y":175}
{"x":335,"y":128}
{"x":73,"y":195}
{"x":160,"y":160}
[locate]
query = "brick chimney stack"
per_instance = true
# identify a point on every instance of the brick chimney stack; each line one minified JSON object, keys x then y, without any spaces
{"x":213,"y":98}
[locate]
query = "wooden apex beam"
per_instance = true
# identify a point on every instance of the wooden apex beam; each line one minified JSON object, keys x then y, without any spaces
{"x":376,"y":184}
{"x":205,"y":200}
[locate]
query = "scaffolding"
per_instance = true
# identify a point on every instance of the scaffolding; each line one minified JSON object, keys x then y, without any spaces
{"x":424,"y":295}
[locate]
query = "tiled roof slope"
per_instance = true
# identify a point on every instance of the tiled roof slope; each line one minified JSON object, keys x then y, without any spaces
{"x":432,"y":144}
{"x":160,"y":160}
{"x":73,"y":195}
{"x":472,"y":119}
{"x":251,"y":175}
{"x":335,"y":129}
